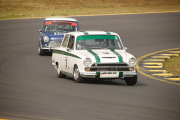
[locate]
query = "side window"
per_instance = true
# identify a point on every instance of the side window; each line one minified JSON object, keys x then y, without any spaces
{"x":65,"y":42}
{"x":71,"y":42}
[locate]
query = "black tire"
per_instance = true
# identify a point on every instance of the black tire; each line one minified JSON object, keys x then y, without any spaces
{"x":131,"y":80}
{"x":76,"y":75}
{"x":40,"y":51}
{"x":59,"y":73}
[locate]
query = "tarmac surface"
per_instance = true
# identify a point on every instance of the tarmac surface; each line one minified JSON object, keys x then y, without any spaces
{"x":30,"y":89}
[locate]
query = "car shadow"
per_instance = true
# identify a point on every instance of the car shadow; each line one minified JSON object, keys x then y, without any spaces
{"x":107,"y":82}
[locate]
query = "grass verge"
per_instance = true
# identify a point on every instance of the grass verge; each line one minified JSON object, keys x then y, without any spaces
{"x":44,"y":8}
{"x":173,"y":65}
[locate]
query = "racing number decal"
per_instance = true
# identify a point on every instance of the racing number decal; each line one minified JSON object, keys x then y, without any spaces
{"x":66,"y":62}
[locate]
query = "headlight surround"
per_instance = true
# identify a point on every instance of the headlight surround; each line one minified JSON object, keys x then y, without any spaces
{"x":87,"y":62}
{"x":132,"y":61}
{"x":46,"y":39}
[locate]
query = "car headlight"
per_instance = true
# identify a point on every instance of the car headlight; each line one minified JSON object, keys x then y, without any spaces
{"x":132,"y":62}
{"x":87,"y":62}
{"x":46,"y":39}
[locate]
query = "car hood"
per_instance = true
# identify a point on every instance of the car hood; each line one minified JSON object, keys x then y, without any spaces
{"x":105,"y":56}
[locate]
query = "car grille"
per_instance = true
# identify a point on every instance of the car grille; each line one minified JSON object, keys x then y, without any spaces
{"x":110,"y":67}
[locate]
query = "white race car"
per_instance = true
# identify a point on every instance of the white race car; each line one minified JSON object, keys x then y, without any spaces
{"x":95,"y":55}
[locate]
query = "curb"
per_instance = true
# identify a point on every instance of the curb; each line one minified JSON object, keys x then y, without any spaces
{"x":151,"y":65}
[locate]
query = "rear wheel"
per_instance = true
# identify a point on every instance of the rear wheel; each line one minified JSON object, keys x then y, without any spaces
{"x":131,"y":80}
{"x":77,"y":77}
{"x":59,"y":73}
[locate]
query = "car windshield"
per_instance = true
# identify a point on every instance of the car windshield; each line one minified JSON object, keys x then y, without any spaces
{"x":60,"y":26}
{"x":98,"y":42}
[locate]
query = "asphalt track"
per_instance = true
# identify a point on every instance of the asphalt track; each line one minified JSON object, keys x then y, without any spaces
{"x":30,"y":89}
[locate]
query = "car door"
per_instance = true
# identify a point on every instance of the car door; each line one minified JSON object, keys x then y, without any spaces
{"x":69,"y":61}
{"x":64,"y":55}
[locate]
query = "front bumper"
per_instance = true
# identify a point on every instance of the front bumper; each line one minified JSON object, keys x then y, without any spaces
{"x":109,"y":74}
{"x":109,"y":70}
{"x":129,"y":74}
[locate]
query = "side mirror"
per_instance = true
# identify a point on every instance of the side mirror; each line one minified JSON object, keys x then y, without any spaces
{"x":125,"y":48}
{"x":40,"y":30}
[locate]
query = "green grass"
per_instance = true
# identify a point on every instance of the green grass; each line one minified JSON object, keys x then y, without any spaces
{"x":46,"y":8}
{"x":173,"y":65}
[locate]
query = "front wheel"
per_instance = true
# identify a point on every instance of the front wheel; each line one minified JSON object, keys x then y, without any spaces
{"x":77,"y":77}
{"x":131,"y":80}
{"x":40,"y":51}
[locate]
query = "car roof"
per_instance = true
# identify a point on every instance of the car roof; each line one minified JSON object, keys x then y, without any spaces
{"x":60,"y":18}
{"x":80,"y":33}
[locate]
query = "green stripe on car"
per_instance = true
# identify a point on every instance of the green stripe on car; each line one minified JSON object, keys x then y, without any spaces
{"x":119,"y":56}
{"x":120,"y":74}
{"x":85,"y":33}
{"x":98,"y":74}
{"x":120,"y":60}
{"x":66,"y":73}
{"x":108,"y":33}
{"x":95,"y":55}
{"x":65,"y":53}
{"x":97,"y":61}
{"x":87,"y":37}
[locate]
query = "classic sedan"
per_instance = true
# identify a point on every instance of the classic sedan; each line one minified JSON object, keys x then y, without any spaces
{"x":94,"y":55}
{"x":53,"y":32}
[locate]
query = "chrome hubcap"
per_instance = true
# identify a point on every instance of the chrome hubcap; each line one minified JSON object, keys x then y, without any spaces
{"x":76,"y":74}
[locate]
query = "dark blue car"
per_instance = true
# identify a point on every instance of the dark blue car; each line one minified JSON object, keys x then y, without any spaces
{"x":54,"y":29}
